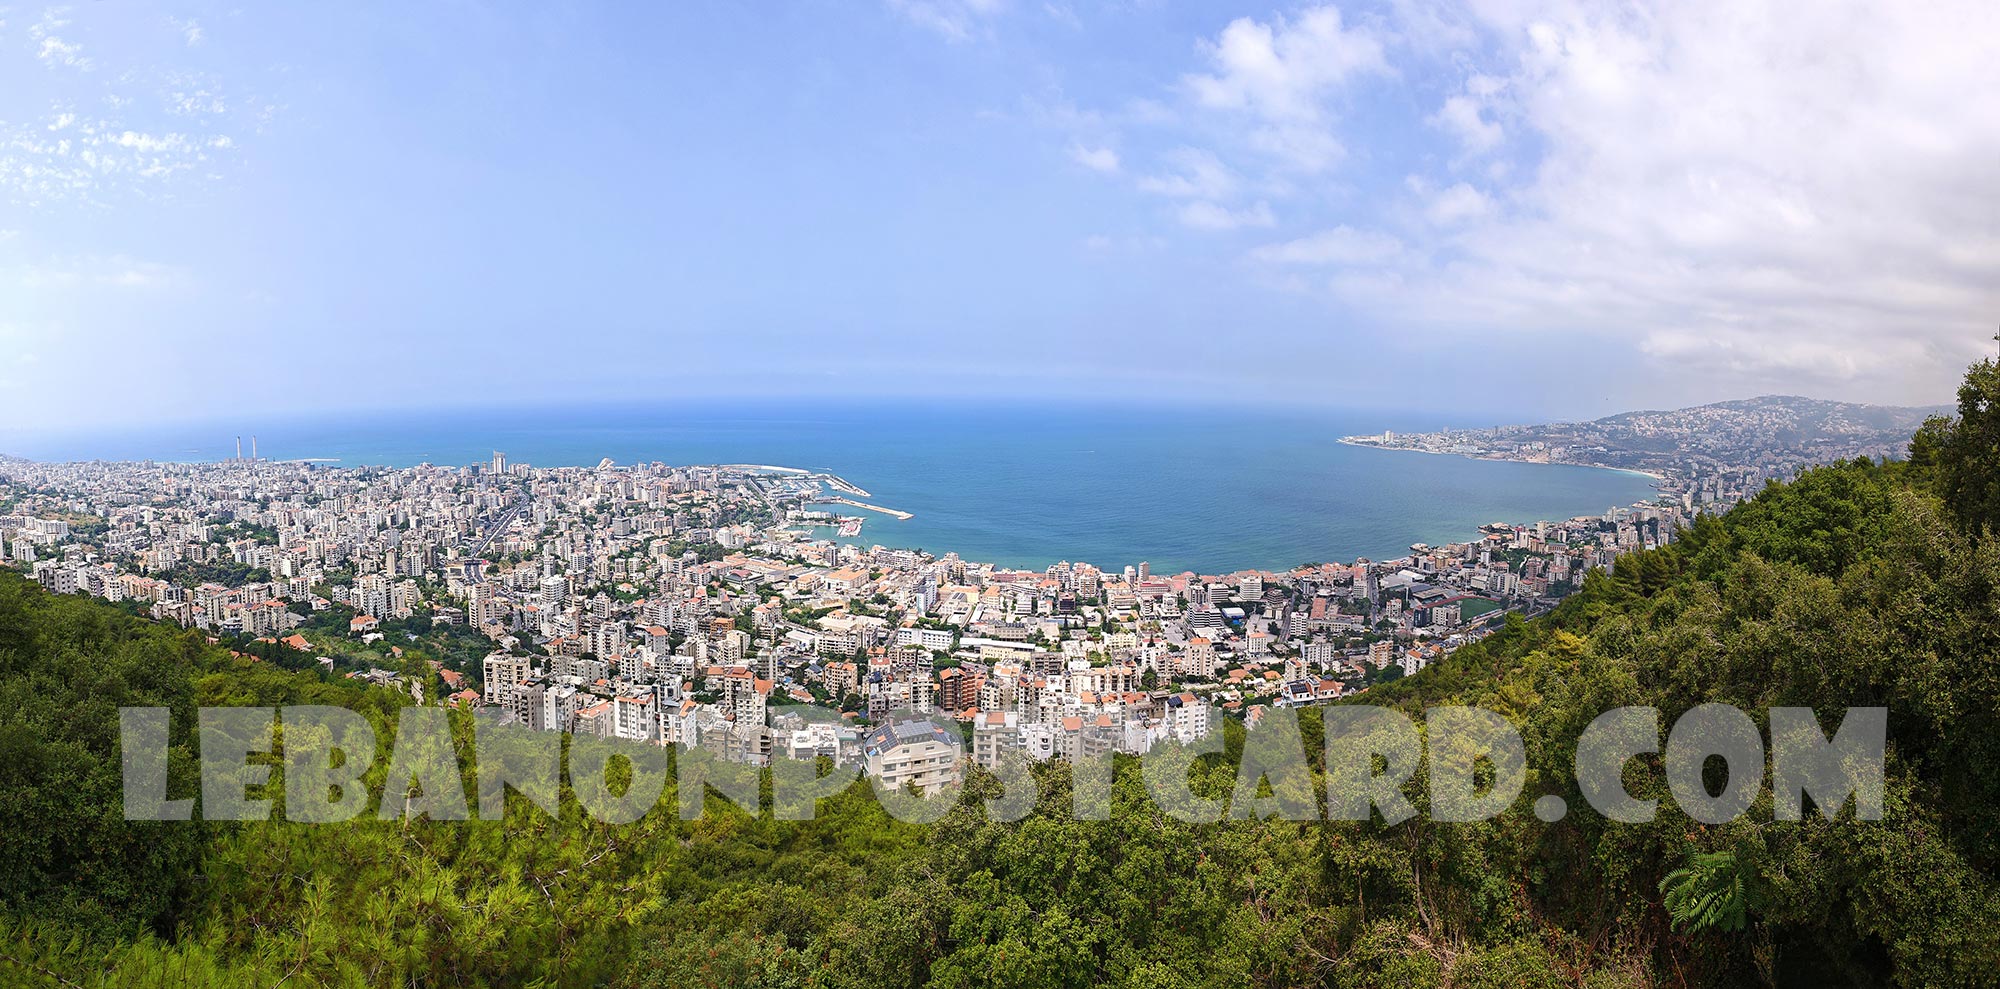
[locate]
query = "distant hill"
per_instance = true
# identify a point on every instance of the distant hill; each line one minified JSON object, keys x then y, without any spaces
{"x":1775,"y":435}
{"x":1808,"y":415}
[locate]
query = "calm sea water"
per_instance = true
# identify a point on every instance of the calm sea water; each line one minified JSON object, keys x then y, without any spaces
{"x":1208,"y":489}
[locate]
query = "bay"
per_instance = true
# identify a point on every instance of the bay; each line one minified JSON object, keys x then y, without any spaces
{"x":1212,"y":489}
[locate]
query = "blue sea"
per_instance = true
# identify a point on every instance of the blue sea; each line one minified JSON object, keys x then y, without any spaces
{"x":1024,"y":484}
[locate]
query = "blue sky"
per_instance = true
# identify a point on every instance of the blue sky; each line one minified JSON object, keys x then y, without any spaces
{"x":1541,"y":210}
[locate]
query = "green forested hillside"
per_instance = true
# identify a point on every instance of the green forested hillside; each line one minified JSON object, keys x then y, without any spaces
{"x":1860,"y":584}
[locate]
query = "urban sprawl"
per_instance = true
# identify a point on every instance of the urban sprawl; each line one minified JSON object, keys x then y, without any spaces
{"x":709,"y":606}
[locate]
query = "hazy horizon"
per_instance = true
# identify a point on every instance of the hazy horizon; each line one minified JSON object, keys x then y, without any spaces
{"x":476,"y":425}
{"x":211,"y":436}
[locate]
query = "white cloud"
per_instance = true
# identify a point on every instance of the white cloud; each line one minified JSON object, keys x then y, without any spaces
{"x":1701,"y":179}
{"x":1747,"y":198}
{"x":1195,"y":173}
{"x":1432,"y":27}
{"x":51,"y":48}
{"x":1282,"y":75}
{"x":1101,"y":159}
{"x":1283,"y":70}
{"x":954,"y":20}
{"x":1458,"y":204}
{"x":1751,"y":202}
{"x":128,"y":132}
{"x":60,"y":52}
{"x":196,"y":103}
{"x":149,"y":143}
{"x":1342,"y":245}
{"x":1202,"y":214}
{"x":191,"y":30}
{"x":1464,"y":117}
{"x":69,"y":156}
{"x":1258,"y":118}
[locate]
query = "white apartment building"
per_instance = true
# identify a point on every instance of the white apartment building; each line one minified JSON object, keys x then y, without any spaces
{"x":912,"y":753}
{"x":503,"y":674}
{"x":633,"y":717}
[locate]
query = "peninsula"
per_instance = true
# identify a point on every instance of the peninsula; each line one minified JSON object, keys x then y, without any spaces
{"x":1719,"y":452}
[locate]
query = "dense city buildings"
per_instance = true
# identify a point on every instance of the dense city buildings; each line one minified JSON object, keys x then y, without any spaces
{"x":715,"y":606}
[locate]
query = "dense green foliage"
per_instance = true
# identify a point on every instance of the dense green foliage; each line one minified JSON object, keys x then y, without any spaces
{"x":1963,"y":454}
{"x":1860,"y":584}
{"x":66,"y":852}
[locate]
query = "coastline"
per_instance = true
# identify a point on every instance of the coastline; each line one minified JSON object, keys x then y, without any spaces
{"x":1350,"y":441}
{"x":1326,"y":535}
